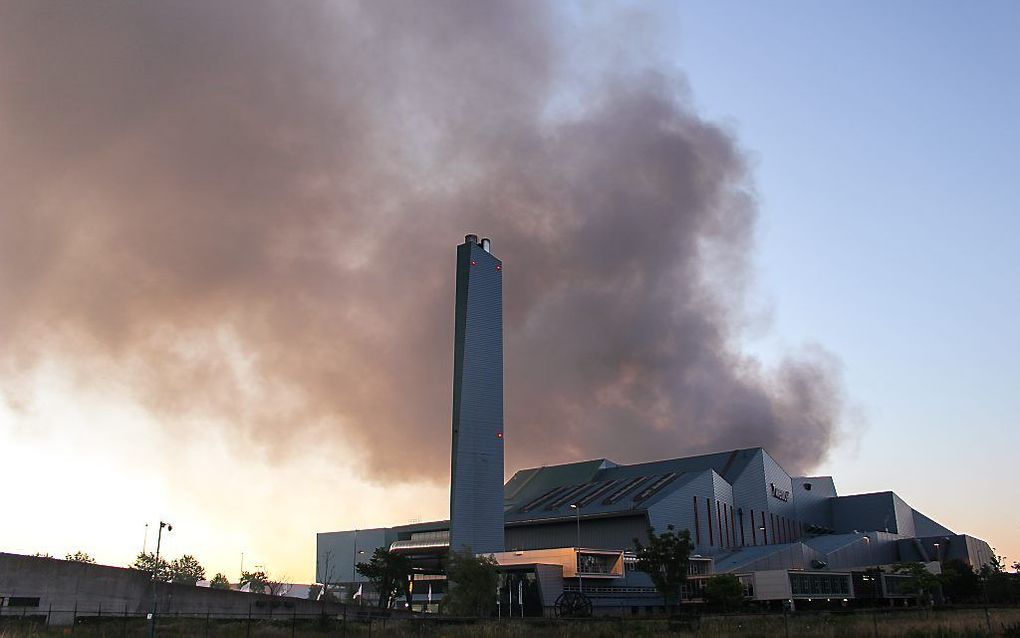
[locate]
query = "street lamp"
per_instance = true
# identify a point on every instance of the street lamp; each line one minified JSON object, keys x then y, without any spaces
{"x":354,"y":556}
{"x":355,"y":552}
{"x":577,"y":508}
{"x":155,"y":571}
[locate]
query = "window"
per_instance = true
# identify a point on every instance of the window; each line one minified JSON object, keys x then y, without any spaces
{"x":594,"y":563}
{"x":807,"y":486}
{"x":697,"y":523}
{"x":538,"y":501}
{"x":819,"y":585}
{"x":656,"y":486}
{"x":568,"y":497}
{"x":623,"y":491}
{"x":23,"y":601}
{"x":747,"y":582}
{"x":588,"y":500}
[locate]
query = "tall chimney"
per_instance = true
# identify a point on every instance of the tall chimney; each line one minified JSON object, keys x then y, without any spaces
{"x":476,"y":477}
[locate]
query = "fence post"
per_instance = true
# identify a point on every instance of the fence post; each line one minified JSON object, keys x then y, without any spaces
{"x":99,"y":612}
{"x":874,"y":621}
{"x":786,"y":623}
{"x":988,"y":619}
{"x":247,"y":630}
{"x":49,"y":612}
{"x":74,"y":617}
{"x":293,"y":622}
{"x":123,"y":622}
{"x":207,"y":620}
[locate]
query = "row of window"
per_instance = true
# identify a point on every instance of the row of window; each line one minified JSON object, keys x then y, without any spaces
{"x":19,"y":601}
{"x":595,"y":563}
{"x":819,"y":585}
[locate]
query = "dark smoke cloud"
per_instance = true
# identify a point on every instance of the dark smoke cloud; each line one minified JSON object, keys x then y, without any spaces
{"x":247,"y":212}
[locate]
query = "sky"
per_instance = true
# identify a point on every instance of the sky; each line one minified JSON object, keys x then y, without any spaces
{"x":228,"y":256}
{"x":885,"y":144}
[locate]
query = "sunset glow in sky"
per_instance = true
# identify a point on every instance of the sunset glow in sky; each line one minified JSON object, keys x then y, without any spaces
{"x":227,"y":239}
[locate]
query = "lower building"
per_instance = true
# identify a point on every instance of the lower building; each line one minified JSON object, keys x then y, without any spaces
{"x":570,"y":529}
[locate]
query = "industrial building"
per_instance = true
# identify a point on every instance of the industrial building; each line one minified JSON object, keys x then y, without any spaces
{"x":562,"y":530}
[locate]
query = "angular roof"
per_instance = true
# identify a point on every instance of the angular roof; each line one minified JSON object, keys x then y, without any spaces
{"x":601,"y":486}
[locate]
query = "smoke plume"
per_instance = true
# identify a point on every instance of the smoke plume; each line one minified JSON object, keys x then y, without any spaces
{"x":245,"y":214}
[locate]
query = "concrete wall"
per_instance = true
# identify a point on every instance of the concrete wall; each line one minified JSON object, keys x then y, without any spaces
{"x":72,"y":589}
{"x":772,"y":585}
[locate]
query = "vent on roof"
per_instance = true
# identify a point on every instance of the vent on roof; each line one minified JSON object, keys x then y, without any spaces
{"x":569,"y":496}
{"x":657,"y":485}
{"x":543,"y":498}
{"x":602,"y":491}
{"x":627,"y":488}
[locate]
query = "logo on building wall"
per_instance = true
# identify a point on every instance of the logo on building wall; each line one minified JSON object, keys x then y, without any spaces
{"x":783,"y":495}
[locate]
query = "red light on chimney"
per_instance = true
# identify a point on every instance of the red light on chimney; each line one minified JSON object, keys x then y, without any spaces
{"x":499,"y":267}
{"x":499,"y":435}
{"x":474,"y":263}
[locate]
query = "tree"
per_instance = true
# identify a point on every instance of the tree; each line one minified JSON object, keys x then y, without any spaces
{"x":999,"y":586}
{"x":665,"y":560}
{"x":80,"y":557}
{"x":220,"y":581}
{"x":256,"y":581}
{"x":960,"y":583}
{"x":388,"y":573}
{"x":472,"y":585}
{"x":724,"y":591}
{"x":277,"y":586}
{"x":42,"y":555}
{"x":327,"y":568}
{"x":921,"y":583}
{"x":186,"y":570}
{"x":147,"y":563}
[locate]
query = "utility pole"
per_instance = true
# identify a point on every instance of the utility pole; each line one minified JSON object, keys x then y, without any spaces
{"x":577,"y":508}
{"x":155,"y":580}
{"x":354,"y":557}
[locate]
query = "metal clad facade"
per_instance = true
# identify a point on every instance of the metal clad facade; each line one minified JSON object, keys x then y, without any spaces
{"x":337,"y":552}
{"x":476,"y":490}
{"x":865,"y":512}
{"x":748,"y":498}
{"x":677,"y":508}
{"x":595,"y":533}
{"x":812,"y":499}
